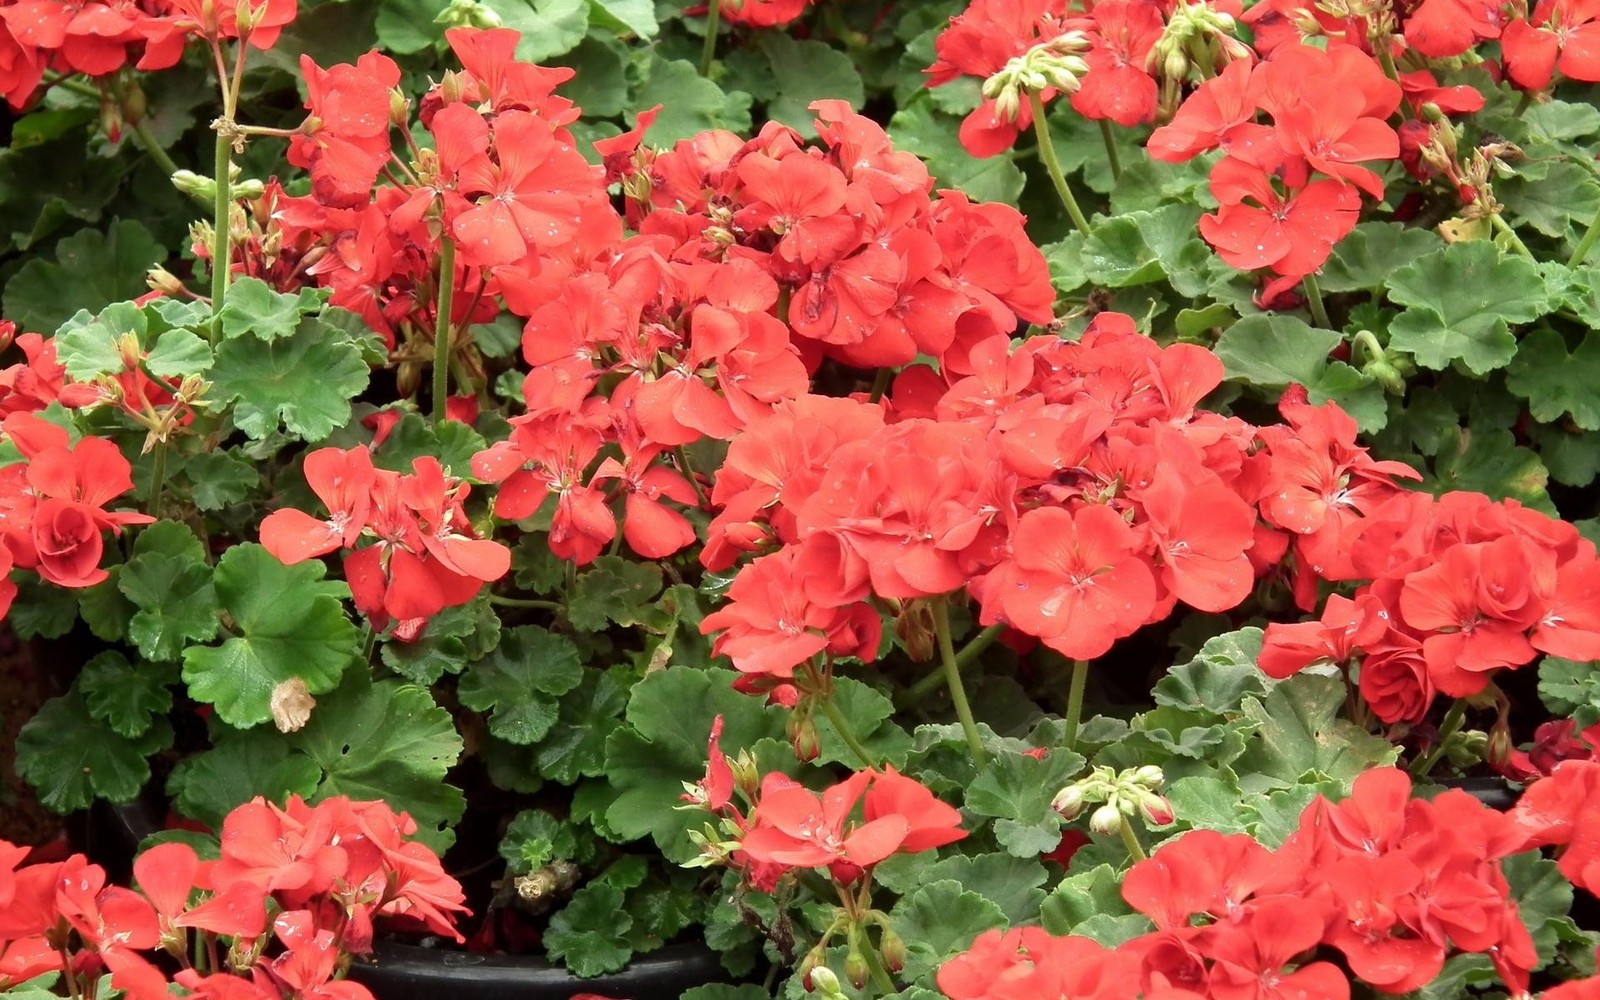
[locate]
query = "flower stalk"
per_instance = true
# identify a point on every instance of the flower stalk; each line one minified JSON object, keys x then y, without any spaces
{"x":952,"y":676}
{"x":1052,"y":164}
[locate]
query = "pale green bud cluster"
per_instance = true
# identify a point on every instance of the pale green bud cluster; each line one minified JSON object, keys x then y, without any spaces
{"x":1052,"y":65}
{"x":1195,"y":32}
{"x":1117,"y":794}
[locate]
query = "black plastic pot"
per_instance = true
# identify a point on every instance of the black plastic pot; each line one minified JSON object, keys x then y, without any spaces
{"x":407,"y":972}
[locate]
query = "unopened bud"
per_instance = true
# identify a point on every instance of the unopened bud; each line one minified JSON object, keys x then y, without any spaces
{"x":1069,"y":802}
{"x":195,"y":186}
{"x":130,"y":351}
{"x":1149,"y":776}
{"x":803,"y":736}
{"x":1106,"y":820}
{"x":134,"y":105}
{"x":248,"y":190}
{"x":824,"y":981}
{"x":244,"y":16}
{"x":399,"y":109}
{"x":452,"y":87}
{"x":855,"y":969}
{"x":893,"y":950}
{"x":1386,"y":375}
{"x":1155,"y":809}
{"x":159,"y":279}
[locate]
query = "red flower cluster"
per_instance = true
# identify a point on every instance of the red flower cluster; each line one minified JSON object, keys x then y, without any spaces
{"x":1033,"y":482}
{"x":321,"y":873}
{"x":789,"y":826}
{"x":35,"y":382}
{"x":1563,"y":811}
{"x":100,"y":37}
{"x":52,"y":505}
{"x":1460,"y":586}
{"x":1393,"y":884}
{"x":427,"y":556}
{"x":762,"y":13}
{"x":676,"y":335}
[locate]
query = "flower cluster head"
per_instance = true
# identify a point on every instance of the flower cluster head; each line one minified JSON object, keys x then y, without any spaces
{"x":1119,"y":795}
{"x":762,"y":13}
{"x":1042,"y":480}
{"x":98,"y":38}
{"x":1394,"y":885}
{"x":53,"y":514}
{"x":315,"y":877}
{"x":1458,"y":587}
{"x":425,"y":556}
{"x":788,"y":826}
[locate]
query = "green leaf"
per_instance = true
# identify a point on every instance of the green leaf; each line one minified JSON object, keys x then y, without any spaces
{"x":1371,"y":253}
{"x":534,"y":838}
{"x":1017,"y":789}
{"x":549,"y":27}
{"x":613,"y":590}
{"x":1490,"y":461}
{"x":218,"y":479}
{"x":1543,"y":896}
{"x":600,"y":88}
{"x":175,"y":599}
{"x":1568,"y":687}
{"x":589,"y":934}
{"x":1080,"y":897}
{"x":1275,"y":351}
{"x":1143,"y":247}
{"x":663,"y":745}
{"x":1221,"y":675}
{"x":71,"y":758}
{"x":1555,"y":382}
{"x":289,"y":622}
{"x":1299,"y":737}
{"x":939,"y":920}
{"x":1461,"y":300}
{"x":178,"y":353}
{"x":638,"y":16}
{"x":867,"y":712}
{"x":91,"y":270}
{"x":806,"y":71}
{"x":454,"y":637}
{"x":303,"y":383}
{"x":41,"y":610}
{"x":1207,"y":803}
{"x":255,"y":307}
{"x":520,"y":681}
{"x":453,"y":444}
{"x":917,"y":128}
{"x":1549,"y":203}
{"x":387,"y":740}
{"x":129,"y":699}
{"x":241,"y":765}
{"x":407,"y":26}
{"x":1012,"y":884}
{"x":104,"y":609}
{"x":690,"y":104}
{"x":1573,"y":457}
{"x":87,"y":343}
{"x":575,"y":747}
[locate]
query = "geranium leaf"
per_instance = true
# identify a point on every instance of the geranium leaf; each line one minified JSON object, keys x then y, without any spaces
{"x":91,"y":270}
{"x":1460,"y":301}
{"x":1490,"y":461}
{"x":71,"y":758}
{"x":938,"y":920}
{"x":1079,"y":897}
{"x":255,"y":307}
{"x":1300,"y":738}
{"x":218,"y":479}
{"x":1371,"y":253}
{"x":387,"y":740}
{"x":125,"y":697}
{"x":663,"y":745}
{"x":1570,"y":688}
{"x":454,"y":637}
{"x":805,"y":71}
{"x":867,"y":711}
{"x":289,"y":623}
{"x":613,"y":590}
{"x":1273,"y":352}
{"x":269,"y":386}
{"x":589,"y":934}
{"x":1221,"y":675}
{"x":918,"y":128}
{"x":1016,"y":790}
{"x":41,"y":610}
{"x":86,"y":344}
{"x":1012,"y":884}
{"x":575,"y":746}
{"x":690,"y":104}
{"x":104,"y":609}
{"x":1556,"y":381}
{"x":637,"y":16}
{"x":519,"y":682}
{"x":549,"y":27}
{"x":241,"y":765}
{"x":176,"y":602}
{"x":1139,"y":248}
{"x":178,"y":353}
{"x":1551,"y":202}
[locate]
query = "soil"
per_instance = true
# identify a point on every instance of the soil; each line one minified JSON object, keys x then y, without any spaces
{"x":23,"y":688}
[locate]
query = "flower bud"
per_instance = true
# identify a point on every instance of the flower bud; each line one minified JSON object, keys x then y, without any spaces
{"x":134,"y":105}
{"x":893,"y":950}
{"x":855,"y":969}
{"x":248,"y":190}
{"x":825,"y":982}
{"x":195,"y":186}
{"x":159,"y":279}
{"x":1069,"y":802}
{"x":1149,"y":776}
{"x":1386,"y":375}
{"x":803,"y":736}
{"x":244,"y":16}
{"x":1106,"y":820}
{"x":1157,"y":811}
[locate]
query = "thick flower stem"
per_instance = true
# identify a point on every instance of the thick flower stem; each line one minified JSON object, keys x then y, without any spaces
{"x":952,"y":676}
{"x":1586,"y":243}
{"x":1447,"y":728}
{"x":441,"y":334}
{"x":526,"y":602}
{"x":880,"y":977}
{"x":684,"y":467}
{"x":1052,"y":164}
{"x":1503,"y":227}
{"x":221,"y":233}
{"x":1319,"y":312}
{"x":709,"y":51}
{"x":158,"y":472}
{"x":1130,"y":840}
{"x":976,"y":645}
{"x":1080,"y":678}
{"x":153,"y":148}
{"x":841,"y":725}
{"x":1112,"y":157}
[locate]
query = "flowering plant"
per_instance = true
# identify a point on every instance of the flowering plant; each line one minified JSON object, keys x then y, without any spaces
{"x":779,"y":534}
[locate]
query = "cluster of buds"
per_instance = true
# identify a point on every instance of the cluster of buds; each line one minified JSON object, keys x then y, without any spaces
{"x":1053,"y":65}
{"x":1197,"y":34}
{"x":854,"y":923}
{"x":158,"y":403}
{"x":1119,"y":794}
{"x":1430,"y":149}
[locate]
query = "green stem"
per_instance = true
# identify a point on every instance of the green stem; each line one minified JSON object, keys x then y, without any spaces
{"x":1504,"y":229}
{"x":1080,"y":679}
{"x":75,"y":86}
{"x":221,"y":236}
{"x":1109,"y":139}
{"x":975,"y":646}
{"x":1367,"y":342}
{"x":880,"y":977}
{"x":709,"y":52}
{"x":441,"y":334}
{"x":684,"y":467}
{"x":1319,"y":312}
{"x":1052,"y":163}
{"x":1130,"y":840}
{"x":952,"y":676}
{"x":158,"y":472}
{"x":841,"y":725}
{"x":1448,"y":728}
{"x":152,"y":146}
{"x":1586,"y":243}
{"x":1386,"y":60}
{"x":526,"y":602}
{"x":880,"y":384}
{"x":369,"y":642}
{"x":1524,"y":104}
